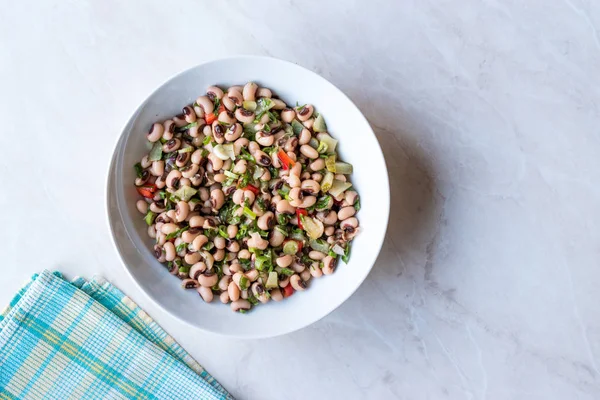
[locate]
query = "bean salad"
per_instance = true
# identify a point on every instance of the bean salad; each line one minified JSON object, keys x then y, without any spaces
{"x":246,"y":197}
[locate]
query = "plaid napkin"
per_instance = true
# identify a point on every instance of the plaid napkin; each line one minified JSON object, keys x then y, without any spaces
{"x":83,"y":339}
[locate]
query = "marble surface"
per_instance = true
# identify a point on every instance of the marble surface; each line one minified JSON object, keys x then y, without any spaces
{"x":489,"y":116}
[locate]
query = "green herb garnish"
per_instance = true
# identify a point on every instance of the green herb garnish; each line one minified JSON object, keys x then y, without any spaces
{"x":286,"y":271}
{"x":177,"y":232}
{"x":138,"y":170}
{"x":346,"y":256}
{"x":357,"y":205}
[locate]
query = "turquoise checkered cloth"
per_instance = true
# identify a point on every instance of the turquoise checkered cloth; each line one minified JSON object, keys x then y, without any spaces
{"x":86,"y":339}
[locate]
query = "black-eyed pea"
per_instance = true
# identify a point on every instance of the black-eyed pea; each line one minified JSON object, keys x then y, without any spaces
{"x":219,"y":255}
{"x":208,"y":279}
{"x":262,"y":158}
{"x":316,"y":255}
{"x":240,"y":305}
{"x":350,"y":197}
{"x":305,"y":275}
{"x":329,"y":230}
{"x":249,"y":91}
{"x":288,"y":115}
{"x":233,"y":247}
{"x":205,"y":104}
{"x":185,"y":182}
{"x":309,"y":152}
{"x":192,"y":258}
{"x":276,"y":294}
{"x":224,"y":297}
{"x":233,"y":132}
{"x":328,"y":218}
{"x":264,"y":138}
{"x":220,"y":178}
{"x":155,"y":133}
{"x":224,"y":282}
{"x":182,"y":209}
{"x":258,"y":290}
{"x":157,"y":168}
{"x":189,"y":171}
{"x":171,"y":215}
{"x":267,"y":221}
{"x":159,"y":253}
{"x":142,"y":206}
{"x":169,"y":228}
{"x":252,"y":275}
{"x":310,"y":186}
{"x":304,"y":112}
{"x":284,"y":261}
{"x":161,"y":238}
{"x":297,"y":283}
{"x":297,"y":267}
{"x":217,"y":199}
{"x":264,"y":92}
{"x":309,"y":123}
{"x":197,"y":157}
{"x":173,"y":179}
{"x":238,"y":196}
{"x":346,"y":213}
{"x":199,"y":242}
{"x":220,"y":242}
{"x":284,"y":280}
{"x":317,"y":177}
{"x":234,"y":291}
{"x":235,"y":267}
{"x":206,"y":294}
{"x":284,"y":207}
{"x":214,"y":92}
{"x":189,"y":284}
{"x":291,"y":144}
{"x":152,"y":232}
{"x":315,"y":270}
{"x":232,"y":230}
{"x":278,"y":104}
{"x":340,"y":177}
{"x":169,"y":249}
{"x":204,"y":193}
{"x":304,"y":137}
{"x":196,"y":221}
{"x":226,"y":117}
{"x":244,"y":116}
{"x":244,"y":254}
{"x":197,"y":269}
{"x":328,"y":265}
{"x":146,"y":162}
{"x":349,"y":224}
{"x":169,"y":129}
{"x":189,"y":114}
{"x":276,"y":238}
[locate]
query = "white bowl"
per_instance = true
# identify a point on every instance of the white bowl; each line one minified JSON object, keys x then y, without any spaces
{"x":357,"y":146}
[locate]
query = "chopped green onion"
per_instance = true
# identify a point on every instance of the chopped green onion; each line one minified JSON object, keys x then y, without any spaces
{"x":244,"y":282}
{"x":338,"y":250}
{"x":242,"y":232}
{"x":249,"y":213}
{"x":156,"y":152}
{"x":178,"y":232}
{"x":346,"y":256}
{"x":252,"y":299}
{"x":187,"y":149}
{"x":260,"y":203}
{"x":205,"y":153}
{"x":184,"y":269}
{"x":245,"y":263}
{"x":283,"y":219}
{"x":208,"y":246}
{"x":138,"y":170}
{"x":223,"y":231}
{"x":357,"y":205}
{"x":149,"y":218}
{"x":245,"y":155}
{"x":324,"y":203}
{"x":207,"y":140}
{"x":264,"y":104}
{"x":331,"y":253}
{"x":286,"y":271}
{"x":188,"y":126}
{"x":231,"y":175}
{"x":180,"y":247}
{"x":282,"y":229}
{"x":242,"y":311}
{"x":291,"y":247}
{"x":263,"y":262}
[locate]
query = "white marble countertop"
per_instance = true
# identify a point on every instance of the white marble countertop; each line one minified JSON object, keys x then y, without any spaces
{"x":489,"y":116}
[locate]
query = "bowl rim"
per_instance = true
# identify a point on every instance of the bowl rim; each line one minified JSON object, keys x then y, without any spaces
{"x":110,"y":182}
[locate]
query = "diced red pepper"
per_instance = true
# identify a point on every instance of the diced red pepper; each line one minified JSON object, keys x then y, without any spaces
{"x":210,"y":118}
{"x":299,"y":212}
{"x":288,"y":290}
{"x":253,"y":189}
{"x":147,"y":191}
{"x":286,"y":161}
